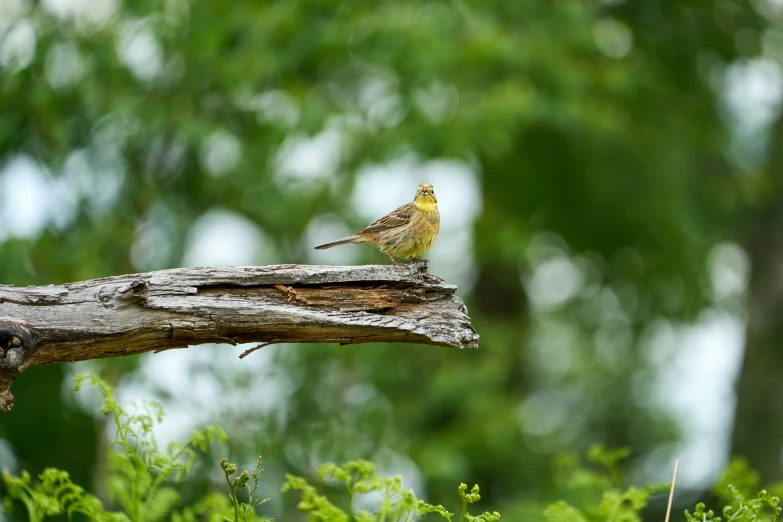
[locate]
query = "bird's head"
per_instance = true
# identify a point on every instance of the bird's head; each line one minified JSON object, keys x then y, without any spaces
{"x":425,"y":198}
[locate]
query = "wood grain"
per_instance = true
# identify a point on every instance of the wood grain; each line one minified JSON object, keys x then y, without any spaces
{"x":176,"y":308}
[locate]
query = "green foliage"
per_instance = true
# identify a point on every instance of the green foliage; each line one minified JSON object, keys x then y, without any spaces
{"x":396,"y":504}
{"x":141,"y":479}
{"x":213,"y":507}
{"x":54,"y":495}
{"x":472,"y":498}
{"x":739,"y":475}
{"x":603,"y":499}
{"x":738,"y":488}
{"x":741,"y":508}
{"x":240,"y":482}
{"x":140,"y":473}
{"x":745,"y":479}
{"x":624,"y":158}
{"x":138,"y":468}
{"x":600,"y":488}
{"x":561,"y":511}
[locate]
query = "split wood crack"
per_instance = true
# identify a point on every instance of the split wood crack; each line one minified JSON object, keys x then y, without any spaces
{"x":166,"y":309}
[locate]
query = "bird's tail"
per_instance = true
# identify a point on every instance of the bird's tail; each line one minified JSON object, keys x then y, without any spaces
{"x":344,"y":241}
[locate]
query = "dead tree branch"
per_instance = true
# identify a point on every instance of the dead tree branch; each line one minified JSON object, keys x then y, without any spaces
{"x":131,"y":314}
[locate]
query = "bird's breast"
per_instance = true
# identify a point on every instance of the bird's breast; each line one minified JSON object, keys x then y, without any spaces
{"x":427,"y":225}
{"x":428,"y":221}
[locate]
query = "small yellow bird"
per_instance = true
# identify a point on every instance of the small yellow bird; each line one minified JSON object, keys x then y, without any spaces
{"x":408,"y":231}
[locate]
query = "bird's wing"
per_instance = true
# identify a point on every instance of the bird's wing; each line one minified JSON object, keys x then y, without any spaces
{"x":396,"y":218}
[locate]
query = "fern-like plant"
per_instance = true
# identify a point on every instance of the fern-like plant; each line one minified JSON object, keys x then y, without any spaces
{"x":603,"y":497}
{"x":397,"y":504}
{"x":599,"y":487}
{"x":247,"y":509}
{"x":54,"y":495}
{"x":140,"y":473}
{"x":738,"y":488}
{"x":142,"y":479}
{"x":138,"y":468}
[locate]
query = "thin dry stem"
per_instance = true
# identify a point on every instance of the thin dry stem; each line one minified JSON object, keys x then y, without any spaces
{"x":671,"y":493}
{"x":251,"y":350}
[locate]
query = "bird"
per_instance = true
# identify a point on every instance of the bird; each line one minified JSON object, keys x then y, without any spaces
{"x":407,"y":232}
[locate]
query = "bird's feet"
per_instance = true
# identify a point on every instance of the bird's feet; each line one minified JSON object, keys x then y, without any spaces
{"x":412,"y":260}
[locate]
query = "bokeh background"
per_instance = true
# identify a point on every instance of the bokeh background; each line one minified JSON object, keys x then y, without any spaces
{"x":609,"y":177}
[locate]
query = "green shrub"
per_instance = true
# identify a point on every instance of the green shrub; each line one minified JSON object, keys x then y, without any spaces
{"x":396,"y":503}
{"x":142,"y":478}
{"x":603,"y":498}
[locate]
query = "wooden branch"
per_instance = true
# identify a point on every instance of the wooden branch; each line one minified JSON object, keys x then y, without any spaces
{"x":156,"y":311}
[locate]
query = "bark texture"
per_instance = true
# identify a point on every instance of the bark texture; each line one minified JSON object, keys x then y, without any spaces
{"x":156,"y":311}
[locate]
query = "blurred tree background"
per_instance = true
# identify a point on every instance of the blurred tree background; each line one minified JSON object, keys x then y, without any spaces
{"x":608,"y":174}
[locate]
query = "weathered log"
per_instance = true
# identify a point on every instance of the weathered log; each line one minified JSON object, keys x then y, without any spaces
{"x":167,"y":309}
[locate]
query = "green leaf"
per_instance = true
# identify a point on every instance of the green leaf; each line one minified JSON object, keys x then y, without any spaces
{"x":561,"y":511}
